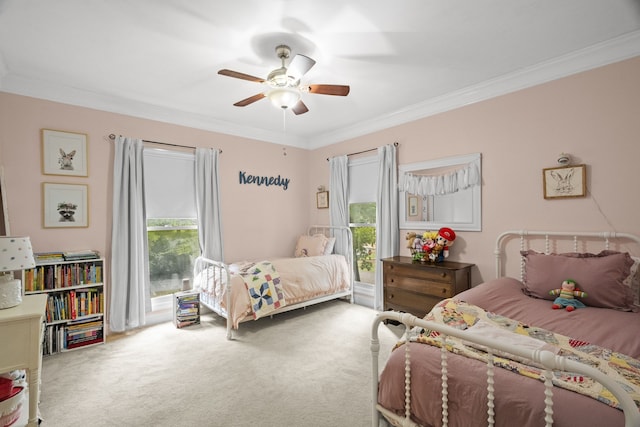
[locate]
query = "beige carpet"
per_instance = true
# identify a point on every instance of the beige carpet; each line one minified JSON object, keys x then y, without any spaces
{"x":303,"y":368}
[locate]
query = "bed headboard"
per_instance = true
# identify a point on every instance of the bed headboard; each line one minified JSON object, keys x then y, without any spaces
{"x":548,"y":242}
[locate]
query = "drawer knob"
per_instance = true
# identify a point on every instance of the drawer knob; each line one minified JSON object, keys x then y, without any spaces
{"x":443,"y":274}
{"x":390,"y":296}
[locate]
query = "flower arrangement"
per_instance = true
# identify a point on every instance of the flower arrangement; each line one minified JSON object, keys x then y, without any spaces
{"x":432,"y":246}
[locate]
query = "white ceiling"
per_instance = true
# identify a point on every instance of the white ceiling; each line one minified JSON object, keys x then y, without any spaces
{"x":403,"y":59}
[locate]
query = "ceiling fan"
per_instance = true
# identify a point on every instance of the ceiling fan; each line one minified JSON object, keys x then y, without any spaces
{"x":284,"y":88}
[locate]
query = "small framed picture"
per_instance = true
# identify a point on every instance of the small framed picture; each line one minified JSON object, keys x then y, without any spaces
{"x":64,"y":153}
{"x":322,"y":199}
{"x":65,"y":205}
{"x":564,"y":182}
{"x":412,"y":206}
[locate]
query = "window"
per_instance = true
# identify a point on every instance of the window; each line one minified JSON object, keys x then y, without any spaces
{"x":362,"y":216}
{"x":172,"y":228}
{"x":362,"y":221}
{"x":173,"y":246}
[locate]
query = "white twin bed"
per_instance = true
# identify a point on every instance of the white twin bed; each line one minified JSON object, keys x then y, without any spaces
{"x":500,"y":354}
{"x":321,"y":270}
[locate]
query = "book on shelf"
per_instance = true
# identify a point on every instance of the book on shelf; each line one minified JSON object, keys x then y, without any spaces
{"x":60,"y":337}
{"x":80,"y":255}
{"x":47,"y":257}
{"x":55,"y":276}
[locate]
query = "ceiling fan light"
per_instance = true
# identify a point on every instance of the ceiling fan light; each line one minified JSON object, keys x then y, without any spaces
{"x":284,"y":97}
{"x":278,"y":78}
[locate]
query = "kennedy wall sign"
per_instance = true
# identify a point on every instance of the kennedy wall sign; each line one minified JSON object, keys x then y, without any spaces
{"x":267,"y":181}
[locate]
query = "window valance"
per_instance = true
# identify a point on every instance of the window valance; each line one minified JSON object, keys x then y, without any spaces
{"x":446,"y":183}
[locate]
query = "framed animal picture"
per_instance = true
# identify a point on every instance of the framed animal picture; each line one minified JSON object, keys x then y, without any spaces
{"x":565,"y":181}
{"x":65,"y":205}
{"x":322,"y":199}
{"x":64,"y":153}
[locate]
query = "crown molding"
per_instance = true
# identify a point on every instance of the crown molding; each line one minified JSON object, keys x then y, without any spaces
{"x":605,"y":53}
{"x":614,"y":50}
{"x":41,"y":89}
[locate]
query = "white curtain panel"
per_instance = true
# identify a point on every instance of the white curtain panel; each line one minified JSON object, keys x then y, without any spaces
{"x":387,"y":219}
{"x":208,"y":204}
{"x":130,"y":298}
{"x":339,"y":197}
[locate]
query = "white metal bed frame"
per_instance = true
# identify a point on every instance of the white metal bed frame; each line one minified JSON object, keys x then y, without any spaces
{"x":545,"y":358}
{"x":220,"y":269}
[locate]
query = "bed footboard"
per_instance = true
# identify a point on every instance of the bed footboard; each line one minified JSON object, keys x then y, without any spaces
{"x":541,"y":357}
{"x":207,"y":271}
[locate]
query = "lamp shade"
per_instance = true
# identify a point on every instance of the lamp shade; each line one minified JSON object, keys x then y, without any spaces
{"x":15,"y":254}
{"x":284,"y":97}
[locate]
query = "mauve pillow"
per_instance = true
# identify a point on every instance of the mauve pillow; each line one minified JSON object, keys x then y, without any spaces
{"x":603,"y":276}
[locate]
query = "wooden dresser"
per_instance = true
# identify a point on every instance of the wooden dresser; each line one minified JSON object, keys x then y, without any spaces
{"x":415,"y":287}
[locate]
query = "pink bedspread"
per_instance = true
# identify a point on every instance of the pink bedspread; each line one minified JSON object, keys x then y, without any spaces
{"x":302,"y":279}
{"x":519,"y":400}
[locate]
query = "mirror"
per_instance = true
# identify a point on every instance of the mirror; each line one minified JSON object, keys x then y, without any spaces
{"x":441,"y":193}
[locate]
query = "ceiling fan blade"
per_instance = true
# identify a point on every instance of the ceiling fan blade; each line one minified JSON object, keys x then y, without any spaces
{"x":299,"y":66}
{"x":338,"y":90}
{"x":299,"y":108}
{"x":237,"y":75}
{"x":249,"y":100}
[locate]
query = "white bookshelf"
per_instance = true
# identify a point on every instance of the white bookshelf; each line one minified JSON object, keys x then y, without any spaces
{"x":75,"y":302}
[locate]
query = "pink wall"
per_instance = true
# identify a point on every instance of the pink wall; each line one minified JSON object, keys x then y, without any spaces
{"x":594,"y":116}
{"x":246,"y":208}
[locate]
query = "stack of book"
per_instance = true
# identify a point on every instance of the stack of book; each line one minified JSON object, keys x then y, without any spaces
{"x":187,"y":309}
{"x":84,"y":333}
{"x":80,"y":255}
{"x":48,"y":257}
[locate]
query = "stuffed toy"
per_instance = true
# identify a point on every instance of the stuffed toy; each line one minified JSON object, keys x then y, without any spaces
{"x":411,"y":237}
{"x":443,"y":241}
{"x":567,"y":296}
{"x":428,"y":241}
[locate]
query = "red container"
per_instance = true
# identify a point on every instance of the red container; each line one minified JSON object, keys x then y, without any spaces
{"x":11,"y":407}
{"x":6,"y":387}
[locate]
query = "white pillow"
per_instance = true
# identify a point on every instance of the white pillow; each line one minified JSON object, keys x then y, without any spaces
{"x":331,"y":241}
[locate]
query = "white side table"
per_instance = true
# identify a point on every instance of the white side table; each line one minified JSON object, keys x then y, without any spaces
{"x":21,"y":344}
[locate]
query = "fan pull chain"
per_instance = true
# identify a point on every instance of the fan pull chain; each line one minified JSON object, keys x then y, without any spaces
{"x":284,"y":119}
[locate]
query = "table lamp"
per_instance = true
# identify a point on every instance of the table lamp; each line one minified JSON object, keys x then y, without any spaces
{"x":15,"y":254}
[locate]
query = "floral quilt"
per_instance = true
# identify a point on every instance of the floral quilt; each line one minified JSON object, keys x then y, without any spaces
{"x":263,"y":285}
{"x":624,"y":369}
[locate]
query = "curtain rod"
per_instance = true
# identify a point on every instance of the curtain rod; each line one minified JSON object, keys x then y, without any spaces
{"x":113,"y":137}
{"x":395,"y":144}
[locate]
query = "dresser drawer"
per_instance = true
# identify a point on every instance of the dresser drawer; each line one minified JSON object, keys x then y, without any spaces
{"x":419,"y":272}
{"x":420,"y":285}
{"x":410,"y":302}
